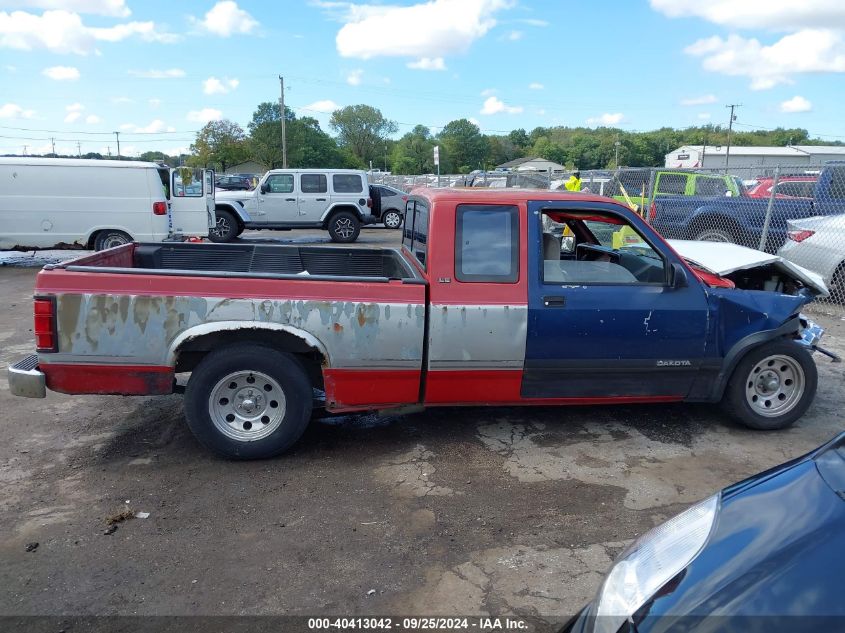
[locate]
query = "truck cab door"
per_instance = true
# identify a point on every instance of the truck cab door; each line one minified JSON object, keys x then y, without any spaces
{"x":276,"y":197}
{"x":189,"y":201}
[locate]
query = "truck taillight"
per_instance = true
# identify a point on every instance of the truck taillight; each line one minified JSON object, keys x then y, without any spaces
{"x":652,"y":212}
{"x":160,"y":208}
{"x":46,"y":338}
{"x":370,"y":203}
{"x":799,"y":236}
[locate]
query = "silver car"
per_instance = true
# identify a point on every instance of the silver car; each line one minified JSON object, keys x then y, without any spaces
{"x":819,"y":244}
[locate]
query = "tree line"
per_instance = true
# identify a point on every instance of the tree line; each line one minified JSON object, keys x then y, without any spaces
{"x":363,"y":138}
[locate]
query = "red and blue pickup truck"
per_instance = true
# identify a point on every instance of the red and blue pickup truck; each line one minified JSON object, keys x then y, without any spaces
{"x":485,"y":303}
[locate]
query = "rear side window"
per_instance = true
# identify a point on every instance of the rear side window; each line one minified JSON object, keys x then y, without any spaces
{"x":280,"y":183}
{"x":385,"y":192}
{"x":706,"y":186}
{"x":346,"y":183}
{"x":314,"y":183}
{"x":487,"y":243}
{"x":187,"y":182}
{"x":672,"y":184}
{"x":415,"y":232}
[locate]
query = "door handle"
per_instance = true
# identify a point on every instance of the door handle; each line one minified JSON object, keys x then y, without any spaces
{"x":290,"y":199}
{"x":320,"y":199}
{"x":554,"y":302}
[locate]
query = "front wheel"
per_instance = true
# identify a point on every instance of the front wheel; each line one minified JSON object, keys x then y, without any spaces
{"x":344,"y":227}
{"x":392,"y":219}
{"x":772,"y":386}
{"x":226,"y":228}
{"x":248,"y":401}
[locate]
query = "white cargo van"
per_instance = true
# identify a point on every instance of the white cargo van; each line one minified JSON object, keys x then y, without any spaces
{"x":60,"y":202}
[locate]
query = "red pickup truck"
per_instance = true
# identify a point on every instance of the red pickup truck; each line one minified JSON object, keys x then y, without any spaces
{"x":484,"y":304}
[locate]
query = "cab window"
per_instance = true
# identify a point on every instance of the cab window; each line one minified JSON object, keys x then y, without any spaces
{"x":415,"y":231}
{"x":487,"y":243}
{"x":599,"y":250}
{"x":187,"y":182}
{"x":672,"y":184}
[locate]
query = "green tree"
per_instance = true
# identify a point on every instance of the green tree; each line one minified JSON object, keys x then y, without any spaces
{"x":413,"y":153}
{"x":220,"y":143}
{"x":363,"y":131}
{"x":307,"y":144}
{"x":464,"y":147}
{"x":154,"y":157}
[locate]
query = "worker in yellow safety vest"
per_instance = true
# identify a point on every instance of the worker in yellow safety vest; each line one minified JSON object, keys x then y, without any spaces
{"x":574,"y":182}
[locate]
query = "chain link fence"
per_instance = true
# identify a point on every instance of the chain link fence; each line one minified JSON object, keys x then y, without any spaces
{"x":797,"y":212}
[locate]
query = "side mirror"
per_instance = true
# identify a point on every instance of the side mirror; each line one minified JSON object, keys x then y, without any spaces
{"x":265,"y":187}
{"x":678,"y":277}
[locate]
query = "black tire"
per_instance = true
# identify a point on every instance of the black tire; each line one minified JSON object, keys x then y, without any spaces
{"x":110,"y":239}
{"x":392,"y":219}
{"x":344,"y":227}
{"x":279,"y":397}
{"x":226,"y":228}
{"x":837,"y":285}
{"x":751,"y":391}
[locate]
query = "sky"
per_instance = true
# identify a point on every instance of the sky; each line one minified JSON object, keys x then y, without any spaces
{"x":76,"y":71}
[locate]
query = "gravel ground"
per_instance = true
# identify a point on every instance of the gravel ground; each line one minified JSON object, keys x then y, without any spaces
{"x":450,"y":511}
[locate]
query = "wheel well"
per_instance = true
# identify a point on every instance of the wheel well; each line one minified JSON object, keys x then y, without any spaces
{"x":192,"y":351}
{"x":716,"y":220}
{"x":234,"y":213}
{"x":353,"y":210}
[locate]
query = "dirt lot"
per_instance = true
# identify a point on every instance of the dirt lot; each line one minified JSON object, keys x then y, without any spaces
{"x":450,"y":511}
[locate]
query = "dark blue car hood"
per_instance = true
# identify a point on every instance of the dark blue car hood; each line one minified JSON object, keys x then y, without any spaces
{"x":777,"y":550}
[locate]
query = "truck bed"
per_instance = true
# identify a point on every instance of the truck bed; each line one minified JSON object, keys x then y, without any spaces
{"x":249,"y":260}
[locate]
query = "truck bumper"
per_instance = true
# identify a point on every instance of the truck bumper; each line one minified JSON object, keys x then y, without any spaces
{"x":26,"y":380}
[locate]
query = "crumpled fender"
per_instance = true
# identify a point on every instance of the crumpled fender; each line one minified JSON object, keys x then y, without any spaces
{"x":745,"y":319}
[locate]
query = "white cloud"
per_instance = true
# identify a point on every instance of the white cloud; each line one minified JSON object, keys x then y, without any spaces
{"x":607,"y":119}
{"x":702,"y":100}
{"x":781,"y":15}
{"x":170,"y":73}
{"x":10,"y":68}
{"x":494,"y":105}
{"x":204,"y":116}
{"x":474,"y":121}
{"x":111,"y":8}
{"x":439,"y":27}
{"x":353,"y":78}
{"x":154,"y":127}
{"x":62,"y":31}
{"x":74,"y":111}
{"x":807,"y":51}
{"x":154,"y":103}
{"x":61,"y":73}
{"x":226,"y":19}
{"x":121,"y":100}
{"x":703,"y":116}
{"x":535,"y":86}
{"x":428,"y":63}
{"x":92,"y":119}
{"x":488,"y":91}
{"x":796,"y":104}
{"x":324,"y":106}
{"x":215,"y":86}
{"x":513,"y":36}
{"x":533,"y":22}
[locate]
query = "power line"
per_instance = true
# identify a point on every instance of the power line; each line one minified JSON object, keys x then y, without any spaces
{"x":80,"y":132}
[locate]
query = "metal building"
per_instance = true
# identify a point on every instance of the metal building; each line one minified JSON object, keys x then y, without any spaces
{"x":713,"y":156}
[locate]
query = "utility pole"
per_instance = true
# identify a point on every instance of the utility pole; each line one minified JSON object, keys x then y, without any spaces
{"x":79,"y":149}
{"x":24,"y":149}
{"x":282,"y":109}
{"x":617,"y":143}
{"x":53,"y":143}
{"x":730,"y":129}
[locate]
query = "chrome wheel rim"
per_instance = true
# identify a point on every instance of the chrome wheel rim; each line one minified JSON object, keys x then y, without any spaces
{"x":114,"y":240}
{"x":247,"y":405}
{"x":392,"y":220}
{"x":343,"y":228}
{"x":221,"y":228}
{"x":774,"y":386}
{"x":713,"y":236}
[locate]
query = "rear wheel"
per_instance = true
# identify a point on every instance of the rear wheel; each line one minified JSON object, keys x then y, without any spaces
{"x":248,"y":401}
{"x":392,"y":219}
{"x":344,"y":227}
{"x":226,"y":228}
{"x":837,"y":284}
{"x":772,"y":386}
{"x":110,"y":239}
{"x":714,"y":234}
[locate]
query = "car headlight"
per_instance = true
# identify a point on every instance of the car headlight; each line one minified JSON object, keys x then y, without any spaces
{"x":652,"y":561}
